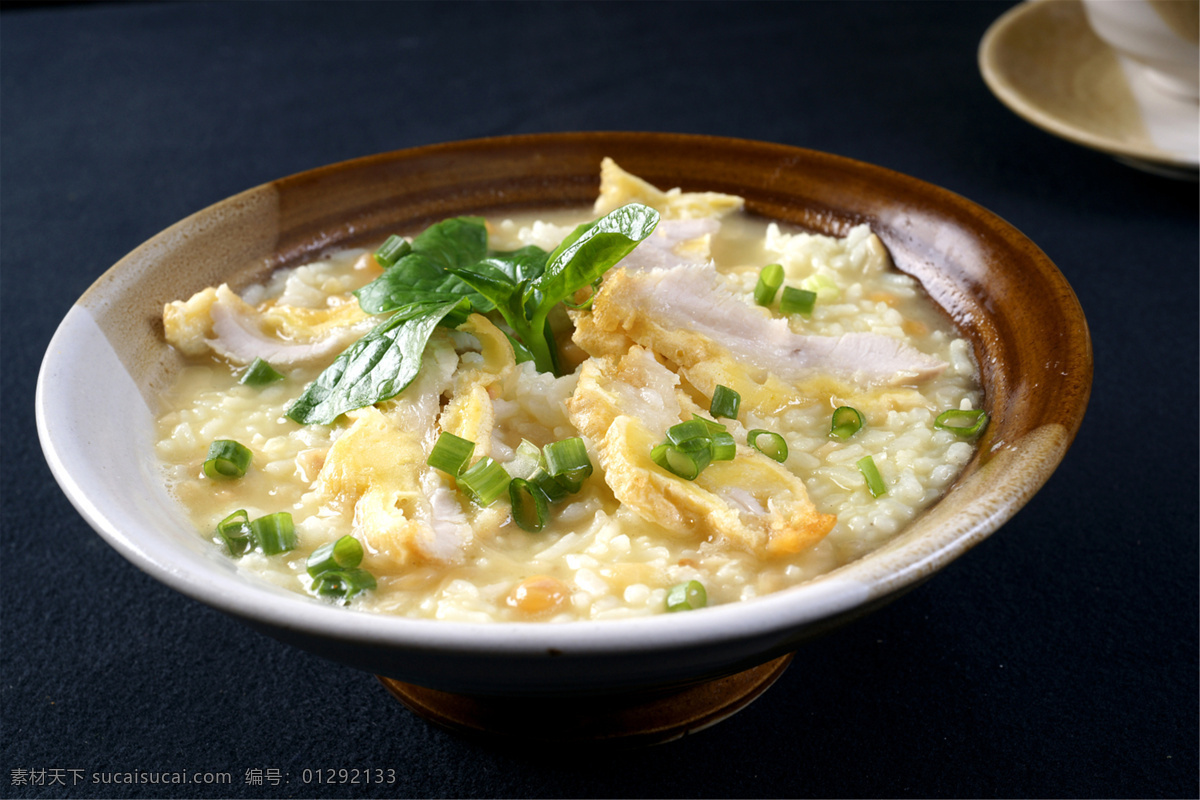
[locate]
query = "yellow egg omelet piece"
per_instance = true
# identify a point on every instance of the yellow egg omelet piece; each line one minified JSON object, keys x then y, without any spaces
{"x":470,"y":413}
{"x":618,"y":187}
{"x":377,"y":467}
{"x":752,"y":501}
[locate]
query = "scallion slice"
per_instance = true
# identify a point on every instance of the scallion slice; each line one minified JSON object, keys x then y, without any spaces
{"x":866,"y":465}
{"x":688,"y":459}
{"x":686,"y":431}
{"x":527,"y":459}
{"x":450,"y":453}
{"x":687,"y":596}
{"x":770,"y":278}
{"x":484,"y":481}
{"x":725,"y":402}
{"x":659,"y":455}
{"x":344,"y":553}
{"x":226,"y":459}
{"x":530,"y":505}
{"x":797,"y":301}
{"x":260,"y":373}
{"x":713,"y":427}
{"x":964,"y":423}
{"x":567,"y":460}
{"x":845,"y":423}
{"x":392,"y":250}
{"x":235,"y":531}
{"x":724,"y":448}
{"x":775,"y":447}
{"x":343,"y":583}
{"x":552,"y":487}
{"x":275,"y":533}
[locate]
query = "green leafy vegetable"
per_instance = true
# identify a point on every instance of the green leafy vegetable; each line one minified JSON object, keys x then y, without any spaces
{"x":374,"y":368}
{"x":260,"y":373}
{"x":443,"y":275}
{"x":424,"y":274}
{"x":525,"y":299}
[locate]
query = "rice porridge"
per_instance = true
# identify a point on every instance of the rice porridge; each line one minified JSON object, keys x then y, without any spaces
{"x":681,"y":405}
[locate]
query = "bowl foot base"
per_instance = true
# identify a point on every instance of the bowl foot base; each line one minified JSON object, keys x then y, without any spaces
{"x":629,"y":719}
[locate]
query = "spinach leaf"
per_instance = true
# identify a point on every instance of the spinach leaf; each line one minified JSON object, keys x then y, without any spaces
{"x":585,"y":255}
{"x":448,"y":273}
{"x":580,"y":261}
{"x":415,"y":278}
{"x":377,"y":366}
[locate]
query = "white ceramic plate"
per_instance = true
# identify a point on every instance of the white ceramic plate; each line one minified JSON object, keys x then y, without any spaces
{"x":1043,"y":61}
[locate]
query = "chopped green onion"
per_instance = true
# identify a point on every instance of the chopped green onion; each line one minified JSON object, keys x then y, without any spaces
{"x":552,"y":487}
{"x":866,"y":465}
{"x":527,"y":459}
{"x":659,"y":455}
{"x":688,"y":459}
{"x":343,"y":583}
{"x":770,"y":278}
{"x":725,"y":402}
{"x":713,"y":427}
{"x":567,"y":460}
{"x":484,"y":481}
{"x":962,"y":423}
{"x":775,"y":448}
{"x":275,"y":533}
{"x":797,"y":301}
{"x":687,"y":596}
{"x":344,"y":553}
{"x":450,"y":453}
{"x":226,"y":459}
{"x":686,"y":431}
{"x":530,"y":505}
{"x":392,"y":250}
{"x":235,"y":531}
{"x":260,"y":373}
{"x":846,"y":422}
{"x":724,"y":448}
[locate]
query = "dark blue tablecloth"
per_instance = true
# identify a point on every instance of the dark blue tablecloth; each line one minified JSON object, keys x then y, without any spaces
{"x":1059,"y":658}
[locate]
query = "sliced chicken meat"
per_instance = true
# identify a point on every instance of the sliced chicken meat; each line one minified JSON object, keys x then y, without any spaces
{"x":217,"y":319}
{"x":715,"y":336}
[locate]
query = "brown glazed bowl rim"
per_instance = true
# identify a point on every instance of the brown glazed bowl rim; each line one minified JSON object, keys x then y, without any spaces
{"x":1002,"y":292}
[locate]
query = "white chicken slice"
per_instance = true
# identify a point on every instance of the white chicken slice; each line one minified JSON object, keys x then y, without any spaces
{"x":283,"y":335}
{"x":714,"y":336}
{"x":404,"y":511}
{"x":624,"y":406}
{"x":618,"y":187}
{"x":674,"y":242}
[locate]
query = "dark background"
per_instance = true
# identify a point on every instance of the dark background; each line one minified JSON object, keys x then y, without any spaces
{"x":1058,"y":658}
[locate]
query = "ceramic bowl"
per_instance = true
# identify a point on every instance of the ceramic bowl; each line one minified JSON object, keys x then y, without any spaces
{"x":107,"y":364}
